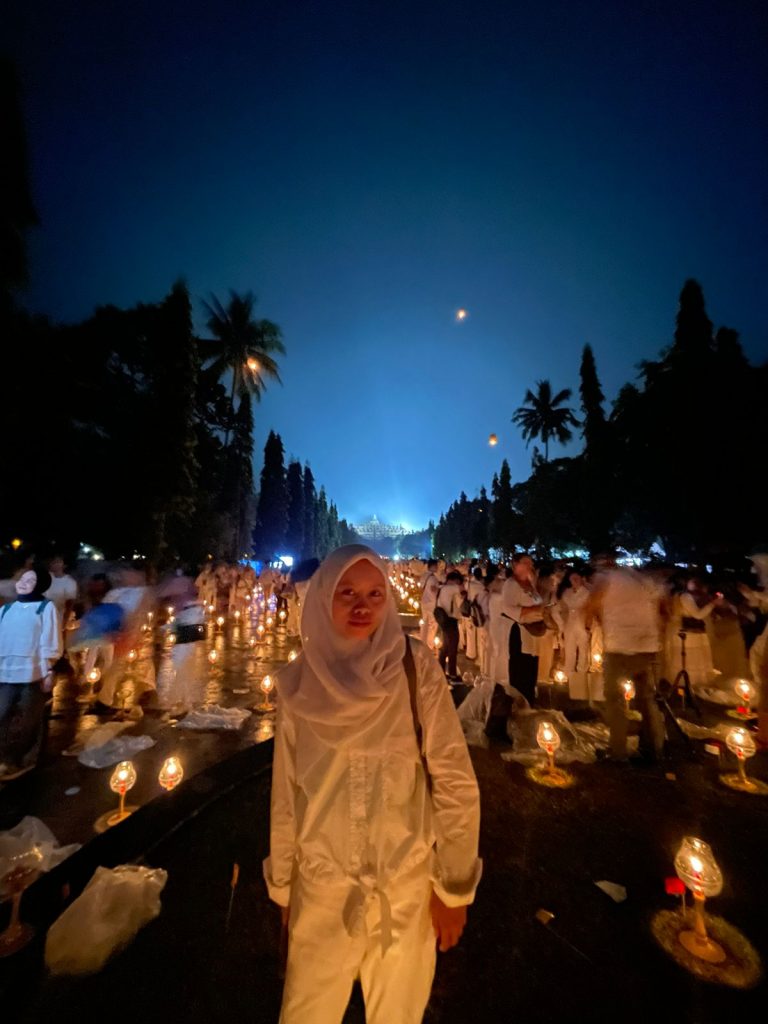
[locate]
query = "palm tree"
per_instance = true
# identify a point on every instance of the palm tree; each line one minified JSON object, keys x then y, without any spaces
{"x":241,"y":346}
{"x":546,"y":417}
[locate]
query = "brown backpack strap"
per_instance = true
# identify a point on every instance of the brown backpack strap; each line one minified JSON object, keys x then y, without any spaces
{"x":410,"y":670}
{"x":409,"y":664}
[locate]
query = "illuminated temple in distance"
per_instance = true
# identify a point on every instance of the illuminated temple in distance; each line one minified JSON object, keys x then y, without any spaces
{"x":374,"y":529}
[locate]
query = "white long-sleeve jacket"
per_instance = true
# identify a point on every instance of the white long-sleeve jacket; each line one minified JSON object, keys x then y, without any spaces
{"x":360,"y":810}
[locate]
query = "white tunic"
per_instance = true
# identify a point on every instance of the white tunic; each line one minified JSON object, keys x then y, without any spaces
{"x":358,"y":811}
{"x":29,"y":641}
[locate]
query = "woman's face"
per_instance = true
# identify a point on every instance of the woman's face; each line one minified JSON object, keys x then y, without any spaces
{"x":359,"y":601}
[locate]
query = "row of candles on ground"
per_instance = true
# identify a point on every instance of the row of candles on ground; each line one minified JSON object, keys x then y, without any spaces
{"x":402,"y":585}
{"x":123,"y":779}
{"x":738,"y":741}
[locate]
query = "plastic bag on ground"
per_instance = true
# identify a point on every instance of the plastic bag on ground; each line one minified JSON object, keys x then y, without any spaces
{"x":213,"y":716}
{"x":473,"y":713}
{"x":725,"y":698}
{"x":107,"y":752}
{"x":522,"y":729}
{"x":32,"y":832}
{"x":105,"y":917}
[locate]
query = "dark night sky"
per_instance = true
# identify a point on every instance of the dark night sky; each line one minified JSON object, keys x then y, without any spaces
{"x":557,"y":168}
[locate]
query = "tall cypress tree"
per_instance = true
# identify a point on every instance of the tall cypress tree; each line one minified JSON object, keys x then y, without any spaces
{"x":335,"y":527}
{"x":323,"y":526}
{"x":693,"y":328}
{"x":172,"y":467}
{"x":592,"y":398}
{"x":294,"y":537}
{"x":272,"y":512}
{"x":503,"y":516}
{"x":310,"y":516}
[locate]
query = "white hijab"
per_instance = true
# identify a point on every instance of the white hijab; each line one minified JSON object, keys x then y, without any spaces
{"x":335,"y":680}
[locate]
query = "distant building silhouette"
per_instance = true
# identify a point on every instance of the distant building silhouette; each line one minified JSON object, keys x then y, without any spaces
{"x":373,"y":529}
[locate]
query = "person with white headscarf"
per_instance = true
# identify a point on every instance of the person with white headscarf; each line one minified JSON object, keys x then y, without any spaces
{"x":375,"y":807}
{"x":30,"y":645}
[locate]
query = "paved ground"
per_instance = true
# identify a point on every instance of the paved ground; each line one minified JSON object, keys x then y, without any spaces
{"x":542,"y":849}
{"x":595,"y":962}
{"x":43,"y":794}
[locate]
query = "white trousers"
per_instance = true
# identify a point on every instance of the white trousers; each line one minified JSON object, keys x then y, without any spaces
{"x":483,"y":651}
{"x":338,"y":933}
{"x":470,"y":632}
{"x":429,"y":629}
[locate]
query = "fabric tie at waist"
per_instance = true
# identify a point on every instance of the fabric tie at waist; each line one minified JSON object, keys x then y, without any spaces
{"x":361,"y":898}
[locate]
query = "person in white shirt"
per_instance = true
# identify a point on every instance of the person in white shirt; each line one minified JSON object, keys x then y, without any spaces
{"x":448,"y":609}
{"x":63,"y":593}
{"x":30,"y":644}
{"x":498,"y":631}
{"x":524,"y":606}
{"x":570,"y":615}
{"x":630,"y":607}
{"x":63,"y":588}
{"x":429,"y":590}
{"x":375,"y":807}
{"x":475,"y":587}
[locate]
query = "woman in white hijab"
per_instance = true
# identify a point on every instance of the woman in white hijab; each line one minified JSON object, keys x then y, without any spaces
{"x":373,"y":846}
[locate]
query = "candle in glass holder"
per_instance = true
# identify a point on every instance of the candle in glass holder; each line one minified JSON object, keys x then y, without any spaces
{"x":741,"y":744}
{"x":171,"y":773}
{"x":696,"y":866}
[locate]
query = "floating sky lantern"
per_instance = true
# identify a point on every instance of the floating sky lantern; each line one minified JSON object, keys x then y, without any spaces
{"x":493,"y":440}
{"x":461,"y":314}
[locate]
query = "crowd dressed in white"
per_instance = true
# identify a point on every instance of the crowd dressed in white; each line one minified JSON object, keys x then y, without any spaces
{"x":92,"y":629}
{"x":591,"y":627}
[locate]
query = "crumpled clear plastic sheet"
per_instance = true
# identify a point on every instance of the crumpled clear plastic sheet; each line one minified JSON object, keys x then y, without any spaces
{"x":474,"y":710}
{"x":105,"y":917}
{"x":705,"y":732}
{"x":473,"y":713}
{"x":213,"y":716}
{"x":522,"y":729}
{"x":28,"y":833}
{"x":716,"y":695}
{"x":105,"y":747}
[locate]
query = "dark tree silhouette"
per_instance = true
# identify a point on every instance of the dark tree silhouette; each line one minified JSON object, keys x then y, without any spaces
{"x":242,"y":347}
{"x":272,"y":510}
{"x":310,"y":515}
{"x":545,"y":416}
{"x":294,"y":536}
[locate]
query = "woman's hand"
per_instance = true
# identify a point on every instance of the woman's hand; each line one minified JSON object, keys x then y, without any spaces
{"x":448,"y":922}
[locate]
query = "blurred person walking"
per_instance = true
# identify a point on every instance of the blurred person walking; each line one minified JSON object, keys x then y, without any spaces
{"x":630,"y":607}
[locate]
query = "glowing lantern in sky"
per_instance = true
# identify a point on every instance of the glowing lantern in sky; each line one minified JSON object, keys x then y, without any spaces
{"x":461,"y":314}
{"x":493,"y":440}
